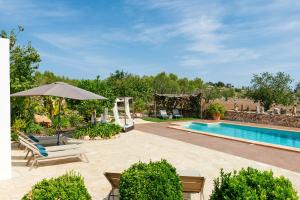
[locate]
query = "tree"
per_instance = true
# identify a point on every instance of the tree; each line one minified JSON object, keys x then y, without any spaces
{"x":49,"y":77}
{"x":24,"y":61}
{"x":126,"y":84}
{"x":297,"y":92}
{"x":184,"y":85}
{"x":197,"y":83}
{"x":297,"y":88}
{"x":229,"y":85}
{"x":190,"y":86}
{"x":211,"y":93}
{"x":97,"y":86}
{"x":220,"y":84}
{"x":173,"y":77}
{"x":228,"y":93}
{"x":269,"y":89}
{"x":163,"y":83}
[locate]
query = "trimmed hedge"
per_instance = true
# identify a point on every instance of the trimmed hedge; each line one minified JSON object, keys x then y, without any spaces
{"x":156,"y":180}
{"x":252,"y":184}
{"x":104,"y":130}
{"x":69,"y":186}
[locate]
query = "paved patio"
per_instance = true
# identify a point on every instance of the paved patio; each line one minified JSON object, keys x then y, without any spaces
{"x":115,"y":155}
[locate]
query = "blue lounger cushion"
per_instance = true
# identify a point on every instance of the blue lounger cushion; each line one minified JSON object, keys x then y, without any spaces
{"x":39,"y":146}
{"x":42,"y":150}
{"x":33,"y":138}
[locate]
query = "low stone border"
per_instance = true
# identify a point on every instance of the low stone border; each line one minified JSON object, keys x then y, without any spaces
{"x":99,"y":138}
{"x":278,"y":120}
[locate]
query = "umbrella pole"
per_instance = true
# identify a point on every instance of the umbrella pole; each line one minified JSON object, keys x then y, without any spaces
{"x":59,"y":121}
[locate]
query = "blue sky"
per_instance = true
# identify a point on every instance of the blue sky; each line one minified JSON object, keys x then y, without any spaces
{"x":214,"y":40}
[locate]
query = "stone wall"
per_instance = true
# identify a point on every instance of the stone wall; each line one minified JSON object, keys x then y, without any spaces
{"x":279,"y":120}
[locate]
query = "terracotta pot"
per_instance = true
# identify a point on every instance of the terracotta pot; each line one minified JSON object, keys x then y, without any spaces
{"x":216,"y":116}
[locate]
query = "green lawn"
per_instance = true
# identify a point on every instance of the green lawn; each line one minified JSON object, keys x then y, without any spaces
{"x":153,"y":119}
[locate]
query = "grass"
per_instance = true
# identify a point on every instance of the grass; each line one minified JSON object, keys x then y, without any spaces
{"x":154,"y":119}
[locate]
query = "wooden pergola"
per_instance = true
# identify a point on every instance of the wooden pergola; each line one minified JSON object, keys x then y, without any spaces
{"x":188,"y":104}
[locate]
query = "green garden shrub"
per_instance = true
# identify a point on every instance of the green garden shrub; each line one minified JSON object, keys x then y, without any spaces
{"x":156,"y":180}
{"x":103,"y":130}
{"x":13,"y":136}
{"x":140,"y":106}
{"x":49,"y":131}
{"x":252,"y":184}
{"x":64,"y":122}
{"x":69,"y":186}
{"x":75,"y":119}
{"x":216,"y":108}
{"x":19,"y":124}
{"x":34,"y":128}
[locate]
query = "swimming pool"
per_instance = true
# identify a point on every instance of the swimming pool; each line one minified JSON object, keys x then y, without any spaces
{"x":257,"y":134}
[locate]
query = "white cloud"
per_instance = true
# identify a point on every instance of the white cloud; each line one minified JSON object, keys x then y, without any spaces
{"x":84,"y":62}
{"x":200,"y":23}
{"x":226,"y":57}
{"x":32,"y":12}
{"x":65,"y":42}
{"x":194,"y":20}
{"x":257,"y":33}
{"x":202,"y":34}
{"x":154,"y":34}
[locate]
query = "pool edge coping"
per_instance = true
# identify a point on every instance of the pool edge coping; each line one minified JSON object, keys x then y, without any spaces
{"x":179,"y":126}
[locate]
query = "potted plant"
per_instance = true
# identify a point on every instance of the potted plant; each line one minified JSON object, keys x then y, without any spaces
{"x":216,"y":110}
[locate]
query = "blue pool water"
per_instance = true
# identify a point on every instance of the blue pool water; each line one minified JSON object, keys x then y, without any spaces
{"x":272,"y":136}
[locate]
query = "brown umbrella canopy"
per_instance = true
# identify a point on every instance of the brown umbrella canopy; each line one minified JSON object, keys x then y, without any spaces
{"x":59,"y":89}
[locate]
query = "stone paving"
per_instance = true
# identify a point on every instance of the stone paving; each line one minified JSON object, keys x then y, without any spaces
{"x":115,"y":155}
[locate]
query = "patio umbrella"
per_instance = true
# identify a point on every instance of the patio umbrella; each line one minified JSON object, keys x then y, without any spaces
{"x":62,"y":90}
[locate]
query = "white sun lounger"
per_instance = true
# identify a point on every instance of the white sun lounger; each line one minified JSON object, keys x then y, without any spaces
{"x":62,"y":154}
{"x":52,"y":155}
{"x":46,"y":140}
{"x":23,"y":142}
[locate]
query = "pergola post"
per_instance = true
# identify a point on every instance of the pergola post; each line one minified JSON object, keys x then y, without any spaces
{"x":155,"y":115}
{"x":5,"y":144}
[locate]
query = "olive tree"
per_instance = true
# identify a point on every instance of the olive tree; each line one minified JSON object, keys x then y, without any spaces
{"x":209,"y":93}
{"x":297,"y":92}
{"x":269,"y":89}
{"x":228,"y":93}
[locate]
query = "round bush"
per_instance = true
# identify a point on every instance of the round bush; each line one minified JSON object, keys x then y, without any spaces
{"x":252,"y":184}
{"x":156,"y":180}
{"x":69,"y":186}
